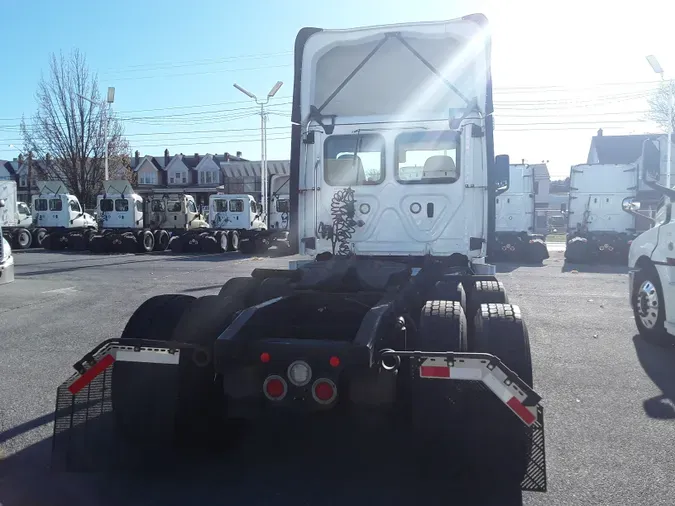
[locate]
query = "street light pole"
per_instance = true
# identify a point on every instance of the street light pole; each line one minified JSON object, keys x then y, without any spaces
{"x":263,"y":140}
{"x":656,"y":67}
{"x":106,"y":113}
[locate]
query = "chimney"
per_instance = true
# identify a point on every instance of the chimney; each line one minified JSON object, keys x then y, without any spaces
{"x":166,"y":157}
{"x":196,"y":159}
{"x":227,"y":156}
{"x":239,"y":154}
{"x":523,"y":161}
{"x":599,"y":132}
{"x":137,"y":156}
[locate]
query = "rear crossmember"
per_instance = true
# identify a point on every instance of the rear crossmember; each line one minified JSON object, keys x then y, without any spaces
{"x":483,"y":367}
{"x":85,"y":396}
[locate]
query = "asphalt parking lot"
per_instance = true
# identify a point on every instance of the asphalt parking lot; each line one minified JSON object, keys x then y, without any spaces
{"x":609,"y":397}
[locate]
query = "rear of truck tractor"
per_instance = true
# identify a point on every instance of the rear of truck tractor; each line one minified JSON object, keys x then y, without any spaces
{"x":442,"y":357}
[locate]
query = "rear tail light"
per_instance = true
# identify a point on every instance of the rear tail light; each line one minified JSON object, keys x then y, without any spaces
{"x":299,"y":373}
{"x":275,"y":388}
{"x":324,"y":391}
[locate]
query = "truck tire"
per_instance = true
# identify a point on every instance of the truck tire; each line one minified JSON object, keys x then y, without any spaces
{"x":23,"y":239}
{"x":501,"y":331}
{"x":648,"y":306}
{"x":485,"y":292}
{"x":536,"y":251}
{"x":161,"y":240}
{"x":451,"y":289}
{"x":39,"y":236}
{"x":436,"y":405}
{"x":176,"y":244}
{"x":271,"y":288}
{"x":233,"y":241}
{"x":143,"y":408}
{"x":76,"y":241}
{"x":221,"y":241}
{"x":209,"y":244}
{"x":576,"y":250}
{"x":97,"y":244}
{"x":146,"y":241}
{"x":248,"y":246}
{"x":240,"y":289}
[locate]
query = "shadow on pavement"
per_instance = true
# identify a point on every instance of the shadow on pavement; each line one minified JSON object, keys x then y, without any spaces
{"x":595,"y":268}
{"x":657,"y":362}
{"x":271,"y":465}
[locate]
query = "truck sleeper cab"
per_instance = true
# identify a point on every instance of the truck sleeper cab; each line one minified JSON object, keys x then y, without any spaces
{"x":59,"y":219}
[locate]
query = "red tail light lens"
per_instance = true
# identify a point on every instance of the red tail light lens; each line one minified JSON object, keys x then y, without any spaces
{"x":334,"y":361}
{"x":275,"y":388}
{"x":324,"y":391}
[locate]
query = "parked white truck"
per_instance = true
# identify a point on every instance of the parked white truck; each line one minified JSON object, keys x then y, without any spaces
{"x":59,"y":219}
{"x":515,"y":239}
{"x":244,"y":222}
{"x":6,"y":257}
{"x":128,"y":224}
{"x":15,"y":218}
{"x":598,"y":229}
{"x":651,"y":260}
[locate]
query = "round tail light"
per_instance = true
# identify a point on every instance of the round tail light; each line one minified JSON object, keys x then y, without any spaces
{"x":324,"y":391}
{"x":275,"y":388}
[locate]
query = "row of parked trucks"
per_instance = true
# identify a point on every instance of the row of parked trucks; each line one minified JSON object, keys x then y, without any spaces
{"x":127,"y":222}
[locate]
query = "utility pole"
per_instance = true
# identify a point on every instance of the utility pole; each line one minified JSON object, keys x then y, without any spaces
{"x":106,"y":115}
{"x":656,"y":67}
{"x":263,"y":141}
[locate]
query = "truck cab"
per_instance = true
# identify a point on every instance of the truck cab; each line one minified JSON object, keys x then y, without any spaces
{"x":119,"y":206}
{"x":651,"y":260}
{"x":53,"y":207}
{"x":6,"y":257}
{"x":175,"y":211}
{"x":402,"y":176}
{"x":279,"y":202}
{"x":235,"y":212}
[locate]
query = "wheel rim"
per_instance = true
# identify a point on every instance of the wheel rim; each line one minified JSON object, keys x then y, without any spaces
{"x":648,"y":304}
{"x":24,"y":238}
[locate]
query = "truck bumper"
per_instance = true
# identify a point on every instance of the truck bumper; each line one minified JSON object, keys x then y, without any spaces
{"x":7,"y":271}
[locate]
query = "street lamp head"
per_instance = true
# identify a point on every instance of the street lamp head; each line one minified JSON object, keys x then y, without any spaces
{"x":654,"y":63}
{"x":274,"y":90}
{"x":245,"y":91}
{"x":111,"y":94}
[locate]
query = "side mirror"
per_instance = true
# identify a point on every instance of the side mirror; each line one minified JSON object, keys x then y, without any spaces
{"x":502,"y":172}
{"x":630,"y":204}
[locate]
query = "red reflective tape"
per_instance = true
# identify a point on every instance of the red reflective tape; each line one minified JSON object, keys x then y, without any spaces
{"x":520,"y":410}
{"x":434,"y":371}
{"x":91,"y":373}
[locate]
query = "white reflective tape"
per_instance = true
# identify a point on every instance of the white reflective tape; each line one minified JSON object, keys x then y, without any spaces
{"x":466,"y":373}
{"x":147,"y":357}
{"x":497,"y":387}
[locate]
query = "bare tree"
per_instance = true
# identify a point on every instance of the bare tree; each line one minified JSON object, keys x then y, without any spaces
{"x":71,"y":129}
{"x":660,"y":111}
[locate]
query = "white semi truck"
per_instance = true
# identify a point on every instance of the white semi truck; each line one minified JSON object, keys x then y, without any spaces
{"x":128,"y":224}
{"x":651,"y":260}
{"x":245,"y":221}
{"x":59,"y":219}
{"x":515,"y":239}
{"x":6,"y":257}
{"x":598,"y":229}
{"x":16,"y":219}
{"x":393,"y":315}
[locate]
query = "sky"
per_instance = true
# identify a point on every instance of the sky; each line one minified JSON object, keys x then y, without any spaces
{"x":561,"y":70}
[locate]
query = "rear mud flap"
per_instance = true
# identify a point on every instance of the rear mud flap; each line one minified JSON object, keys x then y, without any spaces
{"x":87,"y":433}
{"x":483,"y":392}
